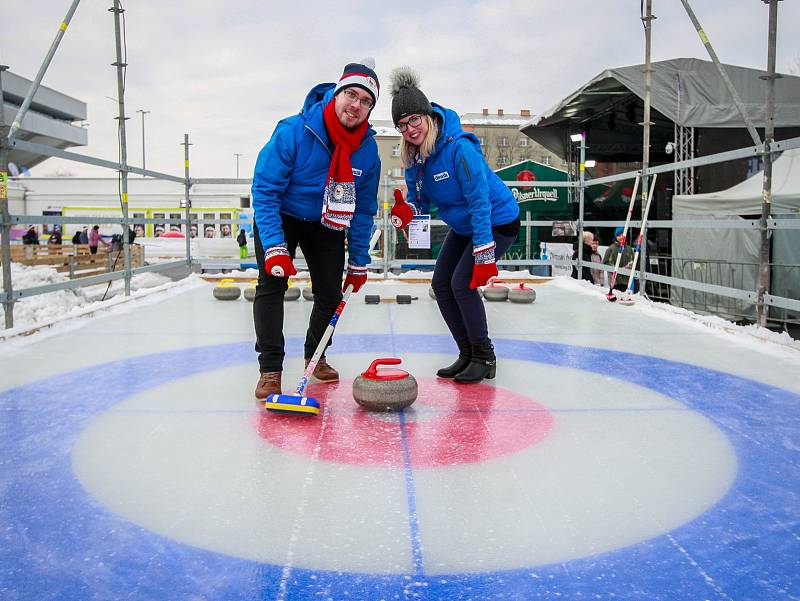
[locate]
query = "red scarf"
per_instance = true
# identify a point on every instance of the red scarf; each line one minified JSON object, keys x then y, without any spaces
{"x":340,"y":192}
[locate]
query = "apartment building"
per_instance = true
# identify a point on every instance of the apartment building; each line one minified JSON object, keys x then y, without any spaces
{"x":502,"y":142}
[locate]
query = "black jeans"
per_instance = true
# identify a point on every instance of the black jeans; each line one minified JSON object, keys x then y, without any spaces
{"x":461,"y":307}
{"x":323,"y":249}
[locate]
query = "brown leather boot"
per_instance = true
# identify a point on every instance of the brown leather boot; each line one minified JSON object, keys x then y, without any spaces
{"x":324,"y":372}
{"x":268,"y":383}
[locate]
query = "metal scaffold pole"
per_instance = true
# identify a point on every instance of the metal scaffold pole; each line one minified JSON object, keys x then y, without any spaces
{"x":5,"y":225}
{"x":42,"y":70}
{"x":769,"y":134}
{"x":123,"y":145}
{"x":188,"y":203}
{"x":647,"y":20}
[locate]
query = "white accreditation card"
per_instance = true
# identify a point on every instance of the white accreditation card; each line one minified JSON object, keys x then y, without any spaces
{"x":419,"y":232}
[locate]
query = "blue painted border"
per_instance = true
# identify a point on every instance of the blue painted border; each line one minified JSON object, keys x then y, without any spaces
{"x":57,"y":543}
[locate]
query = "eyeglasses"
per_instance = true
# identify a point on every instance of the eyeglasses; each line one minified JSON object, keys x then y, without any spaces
{"x":413,"y":121}
{"x":352,"y":97}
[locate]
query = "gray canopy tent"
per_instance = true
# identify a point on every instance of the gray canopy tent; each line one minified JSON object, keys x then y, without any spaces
{"x":686,"y":93}
{"x":729,"y":257}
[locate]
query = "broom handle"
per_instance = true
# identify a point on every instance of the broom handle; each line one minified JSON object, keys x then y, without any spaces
{"x":613,"y":279}
{"x":323,"y":342}
{"x":629,"y":288}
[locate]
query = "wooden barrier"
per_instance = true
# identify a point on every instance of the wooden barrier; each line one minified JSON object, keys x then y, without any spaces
{"x":76,"y":259}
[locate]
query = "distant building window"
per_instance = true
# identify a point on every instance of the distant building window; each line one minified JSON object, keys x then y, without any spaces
{"x":397,"y":172}
{"x":396,"y":151}
{"x":502,"y":161}
{"x":523,"y":141}
{"x":503,"y":141}
{"x":546,"y":160}
{"x":482,"y":140}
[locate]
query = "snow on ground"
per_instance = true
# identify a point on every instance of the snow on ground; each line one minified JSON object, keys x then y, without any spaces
{"x":750,"y":335}
{"x":44,"y":312}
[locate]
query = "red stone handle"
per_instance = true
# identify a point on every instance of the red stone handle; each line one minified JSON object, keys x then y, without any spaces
{"x":372,"y":370}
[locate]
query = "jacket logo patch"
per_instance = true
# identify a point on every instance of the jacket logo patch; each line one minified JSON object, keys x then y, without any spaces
{"x":440,"y":176}
{"x":356,"y":172}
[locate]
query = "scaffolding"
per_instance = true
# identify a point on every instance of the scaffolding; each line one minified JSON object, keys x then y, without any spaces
{"x":653,"y":279}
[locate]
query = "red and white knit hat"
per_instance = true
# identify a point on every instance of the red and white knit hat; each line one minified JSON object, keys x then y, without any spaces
{"x":361,"y":75}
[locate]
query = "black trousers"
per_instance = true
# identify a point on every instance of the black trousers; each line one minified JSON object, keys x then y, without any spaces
{"x":461,"y":307}
{"x":323,"y":249}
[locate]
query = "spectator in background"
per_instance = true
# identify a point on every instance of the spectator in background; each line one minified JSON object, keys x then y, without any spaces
{"x":586,"y":272}
{"x":597,"y":274}
{"x":626,"y":260}
{"x":30,"y":237}
{"x":55,"y":237}
{"x":193,"y":231}
{"x":225,"y":228}
{"x":138,"y":229}
{"x":85,"y":235}
{"x":95,"y":238}
{"x":242,"y":241}
{"x":158,"y":230}
{"x":210,"y":232}
{"x":76,"y":239}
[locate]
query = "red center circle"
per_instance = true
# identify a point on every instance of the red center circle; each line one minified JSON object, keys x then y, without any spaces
{"x":448,"y":424}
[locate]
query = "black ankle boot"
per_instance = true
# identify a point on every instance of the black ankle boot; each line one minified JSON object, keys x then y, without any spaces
{"x":460,"y":364}
{"x":482,"y":365}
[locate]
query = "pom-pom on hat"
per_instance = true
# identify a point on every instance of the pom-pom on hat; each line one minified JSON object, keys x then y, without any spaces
{"x":361,"y":75}
{"x":407,"y":98}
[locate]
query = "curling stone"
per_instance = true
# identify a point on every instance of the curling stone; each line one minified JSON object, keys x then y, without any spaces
{"x":250,"y":291}
{"x":522,"y":294}
{"x":387,"y":389}
{"x":431,"y":293}
{"x":627,"y":300}
{"x":227,"y":290}
{"x":307,"y":293}
{"x":495,"y":292}
{"x":292,"y":294}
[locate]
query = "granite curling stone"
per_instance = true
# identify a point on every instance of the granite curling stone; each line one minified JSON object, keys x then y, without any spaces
{"x":227,"y":290}
{"x":291,"y":294}
{"x":307,"y":293}
{"x":387,"y":389}
{"x":495,"y":292}
{"x":522,"y":294}
{"x":250,"y":291}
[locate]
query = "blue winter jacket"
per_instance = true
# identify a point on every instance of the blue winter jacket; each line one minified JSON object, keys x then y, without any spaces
{"x":292,"y":171}
{"x":468,"y":195}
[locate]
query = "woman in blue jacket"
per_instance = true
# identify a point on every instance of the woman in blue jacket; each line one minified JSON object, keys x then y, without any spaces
{"x":444,"y":166}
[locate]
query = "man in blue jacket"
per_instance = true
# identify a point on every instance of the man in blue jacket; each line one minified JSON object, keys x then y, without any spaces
{"x":315,"y":185}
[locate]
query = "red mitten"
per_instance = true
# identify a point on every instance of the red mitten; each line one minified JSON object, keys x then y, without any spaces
{"x":356,"y":275}
{"x":277,"y":261}
{"x":485,"y":267}
{"x":482,"y":273}
{"x":402,"y":214}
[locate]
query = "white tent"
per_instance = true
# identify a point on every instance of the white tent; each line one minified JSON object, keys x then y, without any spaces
{"x":729,"y":257}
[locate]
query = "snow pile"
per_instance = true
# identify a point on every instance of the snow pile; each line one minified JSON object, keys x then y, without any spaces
{"x":43,"y":307}
{"x":46,"y":309}
{"x":751,"y":334}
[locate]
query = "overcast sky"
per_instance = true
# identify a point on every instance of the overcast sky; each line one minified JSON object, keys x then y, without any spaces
{"x":225,"y":71}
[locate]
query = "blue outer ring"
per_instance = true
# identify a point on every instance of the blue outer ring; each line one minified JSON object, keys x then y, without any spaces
{"x":58,"y":543}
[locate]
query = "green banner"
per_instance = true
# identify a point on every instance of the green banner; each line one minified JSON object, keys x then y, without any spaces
{"x":543,"y":202}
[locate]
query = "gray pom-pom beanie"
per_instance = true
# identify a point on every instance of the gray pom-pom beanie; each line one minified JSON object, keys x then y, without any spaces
{"x":407,"y":98}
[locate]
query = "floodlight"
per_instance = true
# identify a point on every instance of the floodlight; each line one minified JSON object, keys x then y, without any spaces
{"x":590,"y":163}
{"x":576,"y":137}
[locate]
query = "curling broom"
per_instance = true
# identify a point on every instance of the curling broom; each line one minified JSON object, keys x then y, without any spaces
{"x":298,"y":403}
